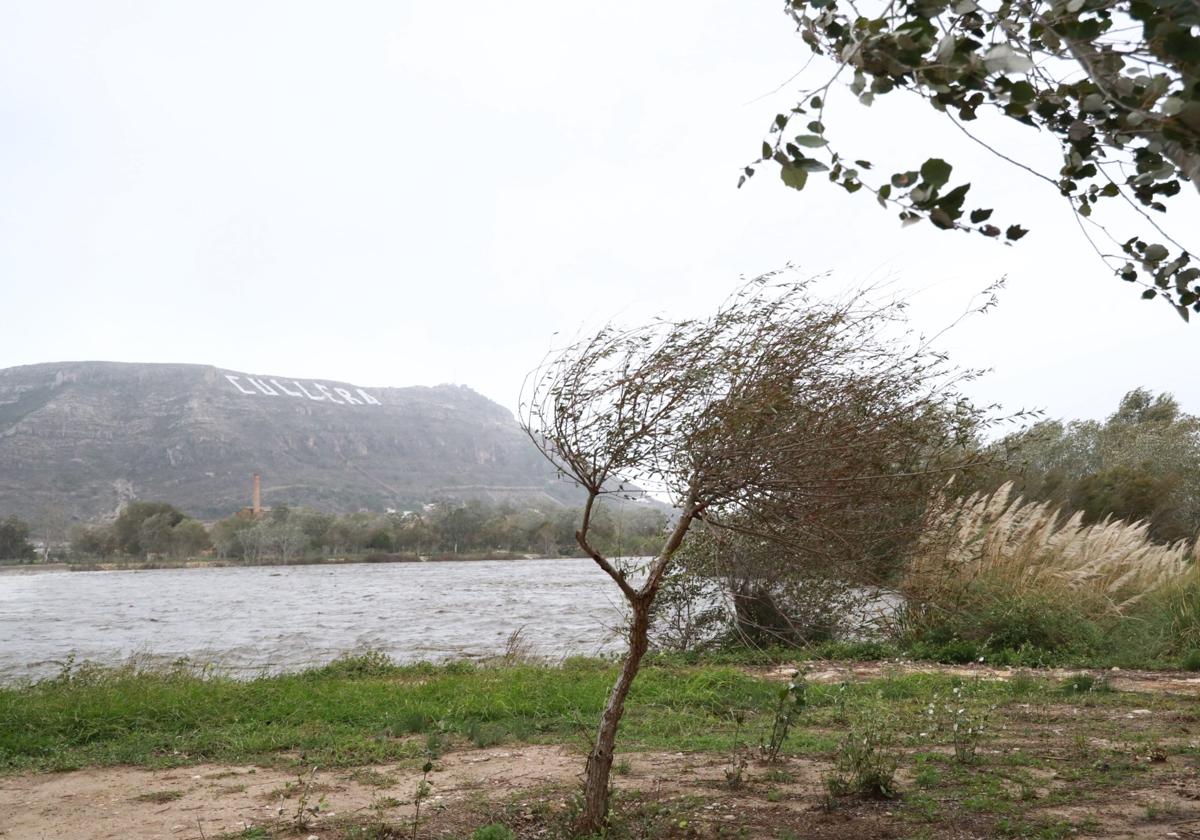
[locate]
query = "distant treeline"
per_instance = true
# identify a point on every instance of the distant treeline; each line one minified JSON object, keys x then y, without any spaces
{"x":147,"y":530}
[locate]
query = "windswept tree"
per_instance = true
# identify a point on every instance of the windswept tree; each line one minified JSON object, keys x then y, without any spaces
{"x":781,"y":416}
{"x":1115,"y":84}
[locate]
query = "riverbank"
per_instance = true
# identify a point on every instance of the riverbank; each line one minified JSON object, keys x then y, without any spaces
{"x":1016,"y":754}
{"x":220,"y":563}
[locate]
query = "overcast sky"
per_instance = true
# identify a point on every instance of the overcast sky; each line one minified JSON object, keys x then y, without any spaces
{"x":403,"y":193}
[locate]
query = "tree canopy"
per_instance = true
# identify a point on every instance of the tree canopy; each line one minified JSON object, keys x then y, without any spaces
{"x":1141,"y":463}
{"x":14,"y":540}
{"x":1116,"y":83}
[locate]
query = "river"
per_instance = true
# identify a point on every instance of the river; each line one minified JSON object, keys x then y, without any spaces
{"x":249,"y":620}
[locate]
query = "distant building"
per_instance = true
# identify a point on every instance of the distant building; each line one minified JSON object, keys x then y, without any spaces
{"x":256,"y":510}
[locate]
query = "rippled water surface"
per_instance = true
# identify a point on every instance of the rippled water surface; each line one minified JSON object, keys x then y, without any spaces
{"x":248,"y":619}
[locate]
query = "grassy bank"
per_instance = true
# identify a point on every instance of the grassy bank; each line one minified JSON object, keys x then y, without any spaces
{"x":912,"y":754}
{"x":368,"y":710}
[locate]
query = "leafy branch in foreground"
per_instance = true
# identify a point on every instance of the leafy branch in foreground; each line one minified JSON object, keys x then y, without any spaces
{"x":1115,"y":82}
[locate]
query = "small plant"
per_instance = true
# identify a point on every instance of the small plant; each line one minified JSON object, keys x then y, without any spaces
{"x":792,"y":700}
{"x":1085,"y":684}
{"x":495,"y":831}
{"x":372,"y":778}
{"x":962,"y":720}
{"x":159,"y":797}
{"x":1190,"y":660}
{"x":306,"y":810}
{"x":518,"y":650}
{"x":779,"y":776}
{"x":867,"y":761}
{"x":623,"y":767}
{"x":735,"y":772}
{"x":927,"y":777}
{"x":422,"y":793}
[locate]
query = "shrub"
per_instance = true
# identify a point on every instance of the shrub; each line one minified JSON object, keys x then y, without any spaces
{"x":495,"y":831}
{"x":867,"y":760}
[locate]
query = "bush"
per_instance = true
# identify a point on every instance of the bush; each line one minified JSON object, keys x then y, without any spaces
{"x":495,"y":831}
{"x":867,"y":760}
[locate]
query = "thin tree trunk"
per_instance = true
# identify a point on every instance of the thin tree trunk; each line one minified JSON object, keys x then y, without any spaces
{"x":600,"y":759}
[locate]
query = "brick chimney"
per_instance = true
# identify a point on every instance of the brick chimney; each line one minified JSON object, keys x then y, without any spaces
{"x":256,"y":502}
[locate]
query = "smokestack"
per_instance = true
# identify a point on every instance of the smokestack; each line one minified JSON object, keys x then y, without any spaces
{"x":256,"y":503}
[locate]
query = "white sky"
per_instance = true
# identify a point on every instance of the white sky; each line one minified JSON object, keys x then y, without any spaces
{"x":400,"y":193}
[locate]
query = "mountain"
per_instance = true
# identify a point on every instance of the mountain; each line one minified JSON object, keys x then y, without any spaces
{"x":80,"y":438}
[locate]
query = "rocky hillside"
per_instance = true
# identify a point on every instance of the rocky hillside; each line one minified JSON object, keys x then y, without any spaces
{"x":78,"y":438}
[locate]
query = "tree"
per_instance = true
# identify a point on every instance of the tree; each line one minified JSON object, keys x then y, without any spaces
{"x":14,"y":540}
{"x":129,"y":531}
{"x":1115,"y":82}
{"x":98,"y":540}
{"x":1142,"y":462}
{"x":189,"y":538}
{"x":780,"y":416}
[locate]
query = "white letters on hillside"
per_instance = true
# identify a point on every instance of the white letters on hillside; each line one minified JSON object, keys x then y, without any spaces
{"x":315,"y":391}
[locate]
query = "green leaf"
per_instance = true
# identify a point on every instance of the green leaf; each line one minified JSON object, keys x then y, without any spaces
{"x":980,"y":215}
{"x":904,"y":179}
{"x":1155,"y":253}
{"x":766,"y":150}
{"x":812,"y":141}
{"x":1015,"y":232}
{"x":936,"y":171}
{"x":793,"y":176}
{"x":941,"y":218}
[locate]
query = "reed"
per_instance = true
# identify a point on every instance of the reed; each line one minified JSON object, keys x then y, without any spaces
{"x":1003,"y":540}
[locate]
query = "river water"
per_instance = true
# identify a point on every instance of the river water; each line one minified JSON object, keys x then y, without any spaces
{"x":248,"y":620}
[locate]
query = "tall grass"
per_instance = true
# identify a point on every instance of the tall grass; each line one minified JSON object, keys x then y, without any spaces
{"x":1005,"y":573}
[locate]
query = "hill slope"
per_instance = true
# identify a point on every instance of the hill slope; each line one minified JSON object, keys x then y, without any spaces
{"x":81,"y":437}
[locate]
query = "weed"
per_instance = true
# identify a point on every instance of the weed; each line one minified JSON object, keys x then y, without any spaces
{"x":927,"y":777}
{"x":867,"y":761}
{"x":306,"y":810}
{"x":1190,"y":660}
{"x":159,"y":797}
{"x":372,"y":778}
{"x":623,"y":767}
{"x":960,"y":718}
{"x":517,"y":648}
{"x":1086,"y":684}
{"x":495,"y":831}
{"x":734,"y":773}
{"x":1157,"y":809}
{"x":792,"y":699}
{"x":421,"y":794}
{"x":775,"y":795}
{"x":779,"y":776}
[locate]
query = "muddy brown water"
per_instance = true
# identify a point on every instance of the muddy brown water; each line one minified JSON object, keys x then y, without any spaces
{"x":248,"y":620}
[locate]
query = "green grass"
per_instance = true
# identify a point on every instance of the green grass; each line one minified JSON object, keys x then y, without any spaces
{"x":354,"y":711}
{"x":366,"y":710}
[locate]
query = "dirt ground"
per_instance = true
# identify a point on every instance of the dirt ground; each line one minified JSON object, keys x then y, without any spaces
{"x":1149,"y":682}
{"x":207,"y":800}
{"x":210,"y":801}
